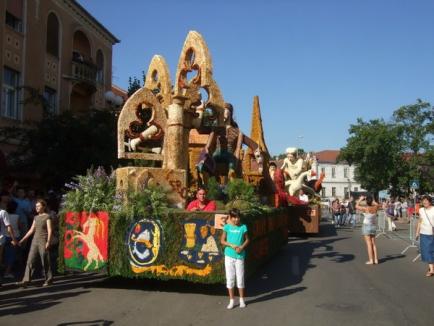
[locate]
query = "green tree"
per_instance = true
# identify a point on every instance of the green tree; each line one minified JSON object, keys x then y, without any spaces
{"x":389,"y":155}
{"x":134,"y":84}
{"x":61,"y":146}
{"x":416,"y":122}
{"x":375,"y":147}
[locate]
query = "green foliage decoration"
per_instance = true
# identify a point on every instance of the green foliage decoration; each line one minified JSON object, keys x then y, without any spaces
{"x":214,"y":192}
{"x":147,"y":201}
{"x":242,"y":195}
{"x":95,"y":191}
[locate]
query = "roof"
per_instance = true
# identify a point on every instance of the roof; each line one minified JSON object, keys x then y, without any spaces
{"x":327,"y":156}
{"x":119,"y":91}
{"x":113,"y":38}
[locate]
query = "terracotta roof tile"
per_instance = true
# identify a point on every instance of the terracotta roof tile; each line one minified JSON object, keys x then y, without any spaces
{"x":120,"y":92}
{"x":327,"y":156}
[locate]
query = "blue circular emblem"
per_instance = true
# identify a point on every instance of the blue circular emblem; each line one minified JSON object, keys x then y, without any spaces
{"x":144,"y":242}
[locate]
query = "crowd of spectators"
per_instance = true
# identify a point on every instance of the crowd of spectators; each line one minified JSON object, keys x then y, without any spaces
{"x":17,"y":213}
{"x":396,"y":209}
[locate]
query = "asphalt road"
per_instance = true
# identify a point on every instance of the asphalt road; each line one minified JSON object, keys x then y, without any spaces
{"x":320,"y":280}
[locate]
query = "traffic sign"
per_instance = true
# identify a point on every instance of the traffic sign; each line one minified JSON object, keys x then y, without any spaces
{"x":414,"y":184}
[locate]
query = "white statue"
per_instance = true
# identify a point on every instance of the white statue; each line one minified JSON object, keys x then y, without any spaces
{"x":292,"y":165}
{"x":296,"y":170}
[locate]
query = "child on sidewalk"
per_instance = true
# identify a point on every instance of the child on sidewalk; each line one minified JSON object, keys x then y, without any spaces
{"x":235,"y":239}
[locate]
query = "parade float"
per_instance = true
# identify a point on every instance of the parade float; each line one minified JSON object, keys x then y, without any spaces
{"x":133,"y":224}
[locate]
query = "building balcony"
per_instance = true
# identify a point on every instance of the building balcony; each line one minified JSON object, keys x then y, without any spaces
{"x":84,"y":73}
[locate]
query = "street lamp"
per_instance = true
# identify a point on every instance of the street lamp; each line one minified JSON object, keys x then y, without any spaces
{"x":113,"y":99}
{"x":299,"y":141}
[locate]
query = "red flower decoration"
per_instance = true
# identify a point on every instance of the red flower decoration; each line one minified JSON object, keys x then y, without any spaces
{"x":72,"y":218}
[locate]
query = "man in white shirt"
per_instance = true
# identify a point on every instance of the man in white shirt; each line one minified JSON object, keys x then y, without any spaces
{"x":398,"y":208}
{"x":5,"y":225}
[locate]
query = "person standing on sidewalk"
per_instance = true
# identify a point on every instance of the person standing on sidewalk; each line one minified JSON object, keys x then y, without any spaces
{"x":235,"y":240}
{"x":425,"y":230}
{"x":336,"y":210}
{"x":389,"y":209}
{"x":42,"y":229}
{"x":5,"y":226}
{"x":11,"y":250}
{"x":369,"y":226}
{"x":352,"y":212}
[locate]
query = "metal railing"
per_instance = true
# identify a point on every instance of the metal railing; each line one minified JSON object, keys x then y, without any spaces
{"x":84,"y":71}
{"x":381,"y":225}
{"x":414,"y":243}
{"x":389,"y":231}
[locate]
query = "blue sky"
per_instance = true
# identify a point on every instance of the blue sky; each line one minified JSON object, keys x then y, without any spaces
{"x":315,"y":65}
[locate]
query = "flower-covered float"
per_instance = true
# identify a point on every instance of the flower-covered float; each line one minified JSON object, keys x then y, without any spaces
{"x":133,"y":224}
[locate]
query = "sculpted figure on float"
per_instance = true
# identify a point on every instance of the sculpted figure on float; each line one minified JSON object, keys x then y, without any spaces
{"x":142,"y":121}
{"x":224,"y":146}
{"x":296,"y":171}
{"x":155,"y":122}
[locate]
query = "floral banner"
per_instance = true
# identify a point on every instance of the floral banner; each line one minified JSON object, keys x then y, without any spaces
{"x":86,"y":240}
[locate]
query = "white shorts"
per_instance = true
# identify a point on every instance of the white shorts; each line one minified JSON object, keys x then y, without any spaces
{"x":234,"y":269}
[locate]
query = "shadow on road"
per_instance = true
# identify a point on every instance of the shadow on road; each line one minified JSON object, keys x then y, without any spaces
{"x":277,"y":294}
{"x":391,"y":257}
{"x":35,"y":297}
{"x":17,"y":306}
{"x":99,"y":322}
{"x":291,"y":263}
{"x":178,"y":286}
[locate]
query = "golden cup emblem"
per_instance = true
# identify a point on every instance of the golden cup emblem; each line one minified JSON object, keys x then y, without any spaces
{"x":189,"y":234}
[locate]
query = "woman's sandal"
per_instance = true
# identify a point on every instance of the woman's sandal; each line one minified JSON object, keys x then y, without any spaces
{"x":369,"y":263}
{"x":429,"y":274}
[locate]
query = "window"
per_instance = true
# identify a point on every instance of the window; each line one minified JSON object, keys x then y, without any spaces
{"x":346,"y":194}
{"x":323,"y":170}
{"x":53,"y":35}
{"x":323,"y":192}
{"x":333,"y":172}
{"x":99,"y":67}
{"x":333,"y":191}
{"x":50,"y":97}
{"x":14,"y":22}
{"x":10,"y":94}
{"x":345,"y":172}
{"x":356,"y":189}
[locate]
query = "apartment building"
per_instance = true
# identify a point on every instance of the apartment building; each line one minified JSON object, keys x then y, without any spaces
{"x":56,"y":49}
{"x":339,"y":176}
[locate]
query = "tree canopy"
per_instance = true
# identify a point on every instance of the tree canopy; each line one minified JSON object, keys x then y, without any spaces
{"x":134,"y":84}
{"x":389,"y":155}
{"x":61,"y":146}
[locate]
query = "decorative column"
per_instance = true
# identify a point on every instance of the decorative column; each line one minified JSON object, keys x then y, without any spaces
{"x":176,"y":148}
